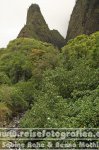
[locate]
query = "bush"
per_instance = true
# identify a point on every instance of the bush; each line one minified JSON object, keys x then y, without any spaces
{"x":4,"y":79}
{"x":5,"y":114}
{"x":29,"y":91}
{"x":25,"y":58}
{"x":13,"y":99}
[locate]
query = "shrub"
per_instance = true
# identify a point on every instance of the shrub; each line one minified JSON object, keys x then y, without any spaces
{"x":5,"y":114}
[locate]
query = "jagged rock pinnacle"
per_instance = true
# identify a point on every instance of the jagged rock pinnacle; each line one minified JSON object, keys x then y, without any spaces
{"x":36,"y":27}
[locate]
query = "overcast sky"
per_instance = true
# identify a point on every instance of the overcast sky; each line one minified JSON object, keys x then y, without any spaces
{"x":13,"y":16}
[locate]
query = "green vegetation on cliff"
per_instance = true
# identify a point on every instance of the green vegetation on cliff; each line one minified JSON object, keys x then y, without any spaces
{"x":84,"y":18}
{"x":22,"y":65}
{"x":69,"y":95}
{"x":54,"y":89}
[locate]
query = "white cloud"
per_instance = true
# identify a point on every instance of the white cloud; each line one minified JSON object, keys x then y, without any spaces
{"x":13,"y":16}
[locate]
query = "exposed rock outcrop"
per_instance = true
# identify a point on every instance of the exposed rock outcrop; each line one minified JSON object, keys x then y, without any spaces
{"x":37,"y":28}
{"x":84,"y":19}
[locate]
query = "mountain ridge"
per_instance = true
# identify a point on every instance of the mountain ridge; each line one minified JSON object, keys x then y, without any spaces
{"x":84,"y":18}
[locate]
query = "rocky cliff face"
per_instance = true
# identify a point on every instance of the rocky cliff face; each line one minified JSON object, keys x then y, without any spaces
{"x":84,"y":19}
{"x":37,"y":28}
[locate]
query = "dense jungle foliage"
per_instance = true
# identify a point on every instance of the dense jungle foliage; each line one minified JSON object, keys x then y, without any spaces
{"x":52,"y":88}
